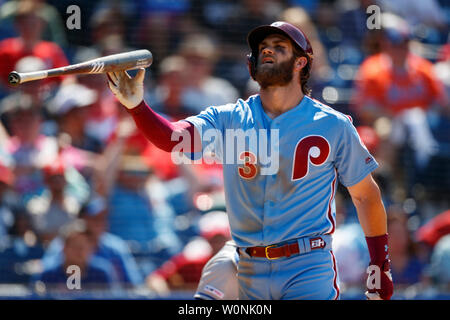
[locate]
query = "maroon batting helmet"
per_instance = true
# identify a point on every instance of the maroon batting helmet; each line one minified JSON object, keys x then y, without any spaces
{"x":280,"y":27}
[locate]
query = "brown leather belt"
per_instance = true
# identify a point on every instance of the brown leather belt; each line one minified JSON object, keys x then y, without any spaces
{"x":273,"y":251}
{"x":277,"y":251}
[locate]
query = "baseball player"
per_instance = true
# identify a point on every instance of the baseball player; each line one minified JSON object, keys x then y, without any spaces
{"x":280,"y":207}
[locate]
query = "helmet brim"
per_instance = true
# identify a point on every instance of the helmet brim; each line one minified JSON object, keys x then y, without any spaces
{"x":257,"y":35}
{"x":299,"y":39}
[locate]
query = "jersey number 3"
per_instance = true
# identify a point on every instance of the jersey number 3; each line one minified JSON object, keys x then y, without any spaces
{"x":249,"y":170}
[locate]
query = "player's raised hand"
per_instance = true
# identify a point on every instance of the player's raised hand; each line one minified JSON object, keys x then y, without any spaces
{"x":129,"y":91}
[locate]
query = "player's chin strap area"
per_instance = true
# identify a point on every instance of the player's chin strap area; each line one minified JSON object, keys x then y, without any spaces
{"x":289,"y":248}
{"x":251,"y":61}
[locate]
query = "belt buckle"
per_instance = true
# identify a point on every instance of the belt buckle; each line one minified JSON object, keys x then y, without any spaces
{"x":267,"y":254}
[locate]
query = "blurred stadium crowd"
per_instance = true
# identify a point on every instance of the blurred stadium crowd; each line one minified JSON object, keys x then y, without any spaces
{"x":79,"y":185}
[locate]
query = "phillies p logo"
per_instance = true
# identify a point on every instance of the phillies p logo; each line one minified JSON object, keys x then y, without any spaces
{"x":314,"y":149}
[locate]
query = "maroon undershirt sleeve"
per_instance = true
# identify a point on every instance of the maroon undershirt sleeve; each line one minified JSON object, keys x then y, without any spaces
{"x":159,"y":130}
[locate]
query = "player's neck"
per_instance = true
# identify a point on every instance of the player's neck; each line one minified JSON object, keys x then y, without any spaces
{"x":277,"y":100}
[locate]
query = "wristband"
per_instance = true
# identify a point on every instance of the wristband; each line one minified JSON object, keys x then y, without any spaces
{"x":378,"y":248}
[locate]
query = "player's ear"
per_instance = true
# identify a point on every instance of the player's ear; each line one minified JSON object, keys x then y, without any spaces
{"x":300,"y":63}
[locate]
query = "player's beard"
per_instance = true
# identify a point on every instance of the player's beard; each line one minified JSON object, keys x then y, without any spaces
{"x":275,"y":74}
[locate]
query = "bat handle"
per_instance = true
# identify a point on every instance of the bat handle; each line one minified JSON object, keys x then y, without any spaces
{"x":15,"y":78}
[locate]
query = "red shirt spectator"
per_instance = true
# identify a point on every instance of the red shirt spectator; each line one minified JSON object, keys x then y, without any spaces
{"x":431,"y":232}
{"x":184,"y":270}
{"x":13,"y":49}
{"x":30,"y":26}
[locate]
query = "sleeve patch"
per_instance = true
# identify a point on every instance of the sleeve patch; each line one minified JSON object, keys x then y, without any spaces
{"x":214,"y":291}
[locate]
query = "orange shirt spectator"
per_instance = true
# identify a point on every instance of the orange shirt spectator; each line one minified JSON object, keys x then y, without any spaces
{"x":381,"y":86}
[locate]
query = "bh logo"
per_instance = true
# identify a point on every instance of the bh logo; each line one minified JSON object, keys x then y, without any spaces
{"x":317,"y":243}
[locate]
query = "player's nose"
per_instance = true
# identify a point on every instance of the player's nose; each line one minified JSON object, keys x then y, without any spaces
{"x":267,"y":51}
{"x":267,"y":55}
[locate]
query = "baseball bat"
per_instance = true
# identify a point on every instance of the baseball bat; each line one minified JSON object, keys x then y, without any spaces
{"x":115,"y":62}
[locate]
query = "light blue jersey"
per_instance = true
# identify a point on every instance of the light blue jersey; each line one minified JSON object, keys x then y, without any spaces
{"x":281,"y":184}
